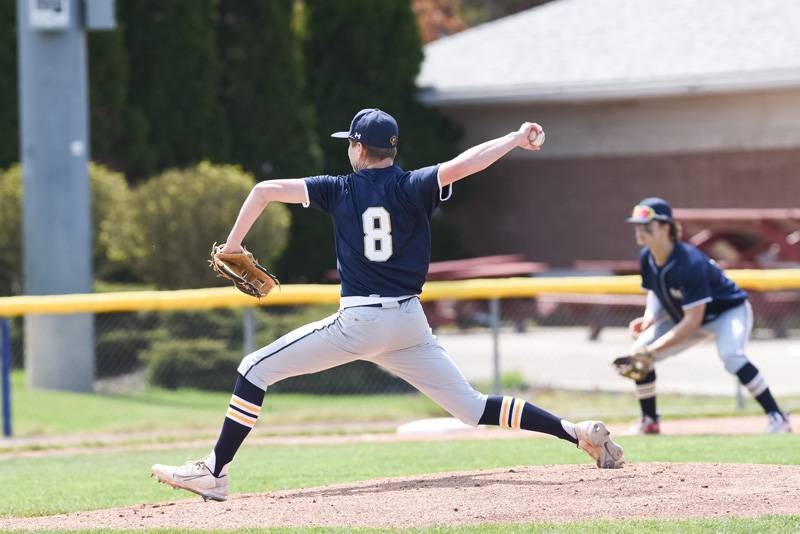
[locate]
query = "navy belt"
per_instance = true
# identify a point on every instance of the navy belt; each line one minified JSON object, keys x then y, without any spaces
{"x":380,"y":305}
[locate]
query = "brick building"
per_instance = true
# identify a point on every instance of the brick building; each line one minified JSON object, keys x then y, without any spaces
{"x":698,"y":102}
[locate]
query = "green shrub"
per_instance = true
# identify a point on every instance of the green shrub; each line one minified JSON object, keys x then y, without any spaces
{"x":11,"y":232}
{"x":224,"y":325}
{"x":121,"y":338}
{"x":117,"y":352}
{"x":196,"y":363}
{"x":110,"y":212}
{"x":354,"y":378}
{"x":180,"y":213}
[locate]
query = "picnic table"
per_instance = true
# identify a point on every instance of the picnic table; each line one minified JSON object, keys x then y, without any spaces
{"x":744,"y":237}
{"x":737,"y":238}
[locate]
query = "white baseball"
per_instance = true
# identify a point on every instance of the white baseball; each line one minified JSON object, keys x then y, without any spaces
{"x":536,"y":139}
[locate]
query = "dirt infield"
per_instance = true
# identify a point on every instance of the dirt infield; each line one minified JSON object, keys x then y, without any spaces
{"x":524,"y":494}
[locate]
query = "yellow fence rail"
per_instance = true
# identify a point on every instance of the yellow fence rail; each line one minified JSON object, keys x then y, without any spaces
{"x":228,"y":297}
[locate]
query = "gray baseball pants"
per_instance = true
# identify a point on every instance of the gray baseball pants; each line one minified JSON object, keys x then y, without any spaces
{"x":731,"y":331}
{"x":395,"y":336}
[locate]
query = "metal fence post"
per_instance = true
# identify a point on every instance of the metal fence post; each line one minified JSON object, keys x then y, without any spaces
{"x":249,"y":328}
{"x":494,"y":321}
{"x":5,"y":348}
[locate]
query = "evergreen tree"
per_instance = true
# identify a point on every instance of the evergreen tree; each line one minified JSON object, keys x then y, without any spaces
{"x":175,"y":75}
{"x":270,"y":119}
{"x":9,"y":128}
{"x":361,"y":54}
{"x":118,"y":129}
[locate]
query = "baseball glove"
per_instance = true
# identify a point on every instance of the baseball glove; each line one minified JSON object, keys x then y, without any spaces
{"x":636,"y":366}
{"x":243,"y":270}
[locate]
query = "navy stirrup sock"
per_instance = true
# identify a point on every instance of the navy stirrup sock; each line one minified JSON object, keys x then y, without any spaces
{"x":757,"y":386}
{"x":511,"y":412}
{"x":646,"y":393}
{"x":243,"y":411}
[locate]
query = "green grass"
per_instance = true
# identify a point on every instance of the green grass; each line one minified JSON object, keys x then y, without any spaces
{"x":54,"y":413}
{"x":767,"y":525}
{"x":51,"y":413}
{"x":92,"y":481}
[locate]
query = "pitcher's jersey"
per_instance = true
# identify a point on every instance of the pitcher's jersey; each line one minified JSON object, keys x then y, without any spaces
{"x":687,"y":279}
{"x":382,"y":227}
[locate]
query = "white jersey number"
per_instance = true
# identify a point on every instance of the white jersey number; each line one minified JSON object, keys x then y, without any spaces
{"x":377,"y":234}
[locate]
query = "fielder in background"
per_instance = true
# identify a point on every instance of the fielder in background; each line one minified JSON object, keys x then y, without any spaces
{"x":689,"y":299}
{"x":381,"y":217}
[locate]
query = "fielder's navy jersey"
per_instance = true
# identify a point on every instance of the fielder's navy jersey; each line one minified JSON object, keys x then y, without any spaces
{"x":687,"y":279}
{"x":382,"y":227}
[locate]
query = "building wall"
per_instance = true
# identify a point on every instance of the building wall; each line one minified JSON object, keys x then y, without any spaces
{"x":695,"y":124}
{"x":568,"y":201}
{"x":560,"y":210}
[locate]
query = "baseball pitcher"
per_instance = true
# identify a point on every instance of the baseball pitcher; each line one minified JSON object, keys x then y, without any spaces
{"x":382,"y":230}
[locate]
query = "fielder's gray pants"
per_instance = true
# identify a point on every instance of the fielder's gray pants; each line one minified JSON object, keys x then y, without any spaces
{"x":731,"y":331}
{"x":396,"y":337}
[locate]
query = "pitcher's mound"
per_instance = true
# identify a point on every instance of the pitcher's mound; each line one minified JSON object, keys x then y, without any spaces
{"x":521,"y":494}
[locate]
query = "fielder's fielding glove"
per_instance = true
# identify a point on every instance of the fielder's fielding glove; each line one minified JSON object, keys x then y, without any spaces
{"x":243,"y":270}
{"x":636,"y":366}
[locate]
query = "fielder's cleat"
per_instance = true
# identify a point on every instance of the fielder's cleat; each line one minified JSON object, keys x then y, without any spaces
{"x":646,"y":426}
{"x":594,"y":438}
{"x":195,"y":477}
{"x":778,"y":423}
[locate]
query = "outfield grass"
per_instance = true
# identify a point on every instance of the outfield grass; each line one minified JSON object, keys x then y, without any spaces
{"x":92,"y":481}
{"x":54,"y":413}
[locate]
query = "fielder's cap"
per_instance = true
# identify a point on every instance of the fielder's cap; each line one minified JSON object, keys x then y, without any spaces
{"x":651,"y":209}
{"x":372,"y":127}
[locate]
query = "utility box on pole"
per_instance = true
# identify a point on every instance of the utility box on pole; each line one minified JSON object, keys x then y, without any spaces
{"x":54,"y":146}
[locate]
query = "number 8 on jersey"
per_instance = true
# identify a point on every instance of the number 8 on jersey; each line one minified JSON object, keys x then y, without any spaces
{"x":377,"y":234}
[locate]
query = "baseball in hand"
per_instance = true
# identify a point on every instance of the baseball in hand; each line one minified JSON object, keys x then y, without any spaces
{"x":536,"y":139}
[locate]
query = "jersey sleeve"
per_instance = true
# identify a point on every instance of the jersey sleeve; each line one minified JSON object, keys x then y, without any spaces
{"x":323,"y":192}
{"x":423,"y":188}
{"x":695,"y":285}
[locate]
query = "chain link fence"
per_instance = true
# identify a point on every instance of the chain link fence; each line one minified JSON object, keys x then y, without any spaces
{"x":538,"y":338}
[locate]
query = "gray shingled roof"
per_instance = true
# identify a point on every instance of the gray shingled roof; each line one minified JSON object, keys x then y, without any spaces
{"x":573,"y":50}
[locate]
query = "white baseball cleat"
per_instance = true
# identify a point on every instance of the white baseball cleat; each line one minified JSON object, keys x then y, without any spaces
{"x":194,"y":476}
{"x":778,"y":423}
{"x":594,"y":438}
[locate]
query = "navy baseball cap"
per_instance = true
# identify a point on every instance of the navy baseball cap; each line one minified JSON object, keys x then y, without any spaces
{"x":651,"y":209}
{"x":372,"y":127}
